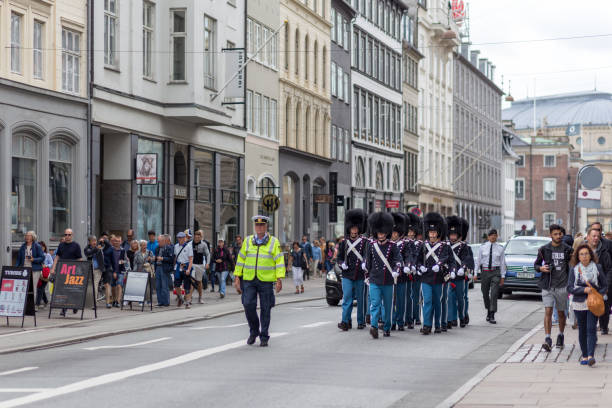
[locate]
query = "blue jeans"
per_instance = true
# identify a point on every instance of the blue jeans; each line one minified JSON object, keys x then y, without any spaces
{"x":381,"y":297}
{"x":265,"y":291}
{"x":352,"y":289}
{"x":456,"y":301}
{"x":413,"y":296}
{"x":432,"y":303}
{"x":221,"y":277}
{"x":587,"y":332}
{"x":161,"y":286}
{"x":399,"y":307}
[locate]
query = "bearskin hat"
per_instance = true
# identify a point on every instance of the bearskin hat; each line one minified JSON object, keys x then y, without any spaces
{"x":380,"y":222}
{"x":434,"y":222}
{"x":355,"y":218}
{"x":455,"y":225}
{"x":399,"y":223}
{"x":414,"y":222}
{"x":465,"y":228}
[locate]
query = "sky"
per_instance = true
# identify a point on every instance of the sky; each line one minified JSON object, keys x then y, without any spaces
{"x":587,"y":61}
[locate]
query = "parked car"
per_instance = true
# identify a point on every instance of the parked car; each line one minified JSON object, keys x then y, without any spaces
{"x":521,"y":253}
{"x":333,"y":286}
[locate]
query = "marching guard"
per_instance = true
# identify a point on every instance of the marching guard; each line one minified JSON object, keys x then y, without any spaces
{"x":456,"y":291}
{"x":351,"y":256}
{"x":469,"y":263}
{"x":413,"y":287}
{"x":383,"y":263}
{"x":433,"y":262}
{"x":399,"y":301}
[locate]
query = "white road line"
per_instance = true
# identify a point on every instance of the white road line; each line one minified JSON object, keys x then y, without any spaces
{"x":121,"y":375}
{"x":20,"y":332}
{"x":127,"y":345}
{"x":19,"y":370}
{"x":218,"y":327}
{"x":317,"y":324}
{"x":22,"y":390}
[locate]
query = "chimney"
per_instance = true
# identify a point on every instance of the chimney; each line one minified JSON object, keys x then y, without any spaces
{"x":474,"y":57}
{"x":465,"y":50}
{"x":489,"y":65}
{"x":482,"y":65}
{"x":492,"y":73}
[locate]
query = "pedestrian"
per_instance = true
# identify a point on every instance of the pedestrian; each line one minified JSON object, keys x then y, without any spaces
{"x":432,"y":262}
{"x":131,"y":253}
{"x":107,"y":268}
{"x":459,"y":261}
{"x":41,"y":285}
{"x":329,"y":256}
{"x":164,"y":263}
{"x":585,"y":275}
{"x":323,"y":246}
{"x":307,"y":248}
{"x":31,"y":255}
{"x":383,"y":264}
{"x":351,"y":256}
{"x":413,"y":287}
{"x":299,"y":263}
{"x":553,"y":263}
{"x":118,"y":264}
{"x":152,"y":243}
{"x":399,"y":302}
{"x":316,"y":258}
{"x":127,"y":244}
{"x":183,"y":252}
{"x":222,"y":260}
{"x":234,"y":249}
{"x":594,"y":240}
{"x":201,"y":263}
{"x":93,"y":252}
{"x":492,"y":264}
{"x":68,"y":250}
{"x":258,"y":275}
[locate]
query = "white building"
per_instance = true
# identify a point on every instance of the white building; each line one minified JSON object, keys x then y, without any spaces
{"x":509,"y":185}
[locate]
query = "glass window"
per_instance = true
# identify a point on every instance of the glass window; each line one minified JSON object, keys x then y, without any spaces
{"x":333,"y":78}
{"x":249,"y":40}
{"x":230,"y":198}
{"x":210,"y":56}
{"x":265,"y":53}
{"x":177,"y":39}
{"x":148,"y":19}
{"x":150,"y":197}
{"x":204,"y":199}
{"x":110,"y":32}
{"x":549,"y":219}
{"x":266,"y":186}
{"x":37,"y":49}
{"x":550,"y":160}
{"x":297,"y":52}
{"x":347,"y":144}
{"x":355,"y":49}
{"x":249,"y":109}
{"x":71,"y":61}
{"x":288,"y":208}
{"x":333,"y":142}
{"x":347,"y":27}
{"x":23,"y":186}
{"x":519,"y":189}
{"x":60,"y":187}
{"x":340,"y":150}
{"x":550,"y":189}
{"x":264,"y":116}
{"x":273,"y":116}
{"x":356,"y":113}
{"x":333,"y":24}
{"x":256,"y":113}
{"x":521,"y":161}
{"x":16,"y":42}
{"x":601,"y":140}
{"x":340,"y":83}
{"x":360,"y":174}
{"x":345,"y":87}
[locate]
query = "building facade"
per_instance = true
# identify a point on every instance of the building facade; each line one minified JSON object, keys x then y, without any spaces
{"x":377,"y":103}
{"x":436,"y":107}
{"x":509,"y":184}
{"x":162,"y":103}
{"x":43,"y":122}
{"x":477,"y":144}
{"x":262,"y":107}
{"x":304,"y":94}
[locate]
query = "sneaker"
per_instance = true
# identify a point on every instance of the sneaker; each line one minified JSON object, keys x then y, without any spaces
{"x":108,"y":305}
{"x":584,"y":361}
{"x":386,"y":333}
{"x":547,"y":345}
{"x":560,"y":340}
{"x":200,"y":301}
{"x":221,"y":295}
{"x":591,"y":362}
{"x":401,"y":328}
{"x":263,"y":343}
{"x":187,"y":306}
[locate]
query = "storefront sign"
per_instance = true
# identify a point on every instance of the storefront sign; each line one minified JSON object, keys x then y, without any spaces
{"x":70,"y":286}
{"x":146,"y":168}
{"x":378,"y":204}
{"x":392,"y":204}
{"x":234,"y":58}
{"x":180,"y":192}
{"x":339,"y":201}
{"x":16,"y":292}
{"x":136,"y":287}
{"x":270,"y":202}
{"x":323,"y":199}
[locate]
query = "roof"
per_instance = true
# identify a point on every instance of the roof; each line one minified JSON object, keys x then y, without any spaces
{"x":588,"y":108}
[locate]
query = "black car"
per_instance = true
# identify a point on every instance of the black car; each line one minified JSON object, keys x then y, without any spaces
{"x":333,"y":286}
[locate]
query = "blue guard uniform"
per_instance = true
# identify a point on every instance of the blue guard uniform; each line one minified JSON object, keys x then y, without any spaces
{"x":399,"y":301}
{"x":469,"y":264}
{"x":413,"y":286}
{"x":460,"y":254}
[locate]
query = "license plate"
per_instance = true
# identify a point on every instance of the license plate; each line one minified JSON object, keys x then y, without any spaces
{"x":525,"y":275}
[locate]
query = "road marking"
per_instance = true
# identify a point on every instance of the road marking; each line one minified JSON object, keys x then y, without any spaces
{"x":121,"y":375}
{"x":19,"y":370}
{"x":127,"y":345}
{"x":20,"y":332}
{"x":22,"y":390}
{"x":317,"y":324}
{"x":218,"y":327}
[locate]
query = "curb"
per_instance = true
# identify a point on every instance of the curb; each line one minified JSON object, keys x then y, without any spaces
{"x":80,"y":339}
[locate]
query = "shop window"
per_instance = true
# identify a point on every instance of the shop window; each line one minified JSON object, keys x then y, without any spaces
{"x":204,"y":199}
{"x":266,"y":186}
{"x":60,"y":187}
{"x":151,"y":196}
{"x":24,"y":185}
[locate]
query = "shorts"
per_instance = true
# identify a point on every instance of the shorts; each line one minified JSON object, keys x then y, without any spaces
{"x":198,"y":272}
{"x":555,"y":297}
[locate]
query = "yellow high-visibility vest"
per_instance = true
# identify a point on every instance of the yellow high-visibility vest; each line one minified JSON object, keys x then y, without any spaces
{"x":265,"y":261}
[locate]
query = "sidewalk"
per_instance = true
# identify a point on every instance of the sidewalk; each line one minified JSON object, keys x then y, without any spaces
{"x":59,"y":330}
{"x":527,"y":376}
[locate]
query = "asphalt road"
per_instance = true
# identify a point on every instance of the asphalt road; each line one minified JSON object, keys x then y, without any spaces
{"x":309,"y":363}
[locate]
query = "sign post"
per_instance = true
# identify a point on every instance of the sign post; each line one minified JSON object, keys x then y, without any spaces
{"x":17,"y":293}
{"x":70,"y":286}
{"x":136,"y":286}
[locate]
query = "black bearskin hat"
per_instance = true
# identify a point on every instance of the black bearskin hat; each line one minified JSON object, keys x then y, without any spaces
{"x":414,"y":222}
{"x":455,"y":225}
{"x":465,"y":228}
{"x":355,"y":218}
{"x":380,"y":222}
{"x":399,"y":223}
{"x":434,"y":222}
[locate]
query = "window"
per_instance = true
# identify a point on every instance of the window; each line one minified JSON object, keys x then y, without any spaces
{"x":265,"y":53}
{"x":264,"y":116}
{"x":333,"y":142}
{"x":340,"y":150}
{"x":24,"y":184}
{"x":340,"y":83}
{"x":306,"y":55}
{"x":601,"y":140}
{"x":347,"y":144}
{"x":296,"y":52}
{"x":258,"y":41}
{"x":549,"y":189}
{"x":256,"y":113}
{"x":177,"y":39}
{"x":249,"y":108}
{"x":380,"y":182}
{"x":273,"y":116}
{"x":37,"y":49}
{"x":60,"y":187}
{"x":356,"y":113}
{"x":110,"y":31}
{"x":148,"y":18}
{"x":375,"y":60}
{"x":71,"y":61}
{"x":316,"y":62}
{"x":287,"y":46}
{"x":16,"y":42}
{"x":368,"y":64}
{"x":549,"y":160}
{"x":249,"y":41}
{"x":210,"y":40}
{"x":549,"y":219}
{"x":345,"y":87}
{"x":360,"y":174}
{"x":521,"y":161}
{"x":355,"y":60}
{"x":339,"y":29}
{"x":333,"y":79}
{"x":204,"y":205}
{"x":333,"y":24}
{"x":324,"y":65}
{"x":347,"y":27}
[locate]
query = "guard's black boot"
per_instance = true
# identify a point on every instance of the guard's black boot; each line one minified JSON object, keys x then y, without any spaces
{"x":374,"y":332}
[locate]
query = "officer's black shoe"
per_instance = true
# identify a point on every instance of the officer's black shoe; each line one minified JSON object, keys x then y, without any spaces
{"x":387,"y":333}
{"x":443,"y":328}
{"x":401,"y":328}
{"x":368,"y":319}
{"x":251,"y":340}
{"x":488,"y":316}
{"x":410,"y":326}
{"x":350,"y":324}
{"x":393,"y":327}
{"x":454,"y":323}
{"x":438,"y":330}
{"x":374,"y":332}
{"x":462,"y":323}
{"x":560,"y":340}
{"x":449,"y":325}
{"x":467,"y":319}
{"x":360,"y":326}
{"x":547,"y":345}
{"x":263,"y":343}
{"x":380,"y":325}
{"x":426,"y":330}
{"x":417,"y":323}
{"x":343,"y":326}
{"x":492,"y":318}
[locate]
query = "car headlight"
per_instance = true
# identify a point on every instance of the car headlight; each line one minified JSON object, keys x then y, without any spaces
{"x":331,"y":275}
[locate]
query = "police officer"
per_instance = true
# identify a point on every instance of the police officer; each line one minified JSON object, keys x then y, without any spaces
{"x":456,"y":299}
{"x":492,"y":264}
{"x":351,"y":255}
{"x":260,"y":263}
{"x":413,"y":286}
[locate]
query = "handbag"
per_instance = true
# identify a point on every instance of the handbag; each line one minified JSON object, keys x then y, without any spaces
{"x":595,"y":301}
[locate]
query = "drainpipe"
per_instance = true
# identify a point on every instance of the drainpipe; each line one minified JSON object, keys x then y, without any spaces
{"x":90,"y":192}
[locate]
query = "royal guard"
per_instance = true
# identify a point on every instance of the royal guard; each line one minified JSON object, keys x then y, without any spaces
{"x":433,"y":260}
{"x":351,"y":256}
{"x":469,"y":271}
{"x":414,"y":231}
{"x":399,"y":299}
{"x":383,"y":263}
{"x":456,"y":291}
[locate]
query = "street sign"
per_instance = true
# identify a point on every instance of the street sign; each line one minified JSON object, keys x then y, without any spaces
{"x":581,"y":203}
{"x":589,"y":194}
{"x":590,"y":177}
{"x":270,"y":202}
{"x":323,"y":199}
{"x":17,"y":293}
{"x":416,"y":211}
{"x":392,"y":204}
{"x":339,"y":201}
{"x":70,"y":286}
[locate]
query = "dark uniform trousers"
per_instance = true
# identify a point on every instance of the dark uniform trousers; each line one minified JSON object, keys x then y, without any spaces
{"x":265,"y":291}
{"x":489,"y":285}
